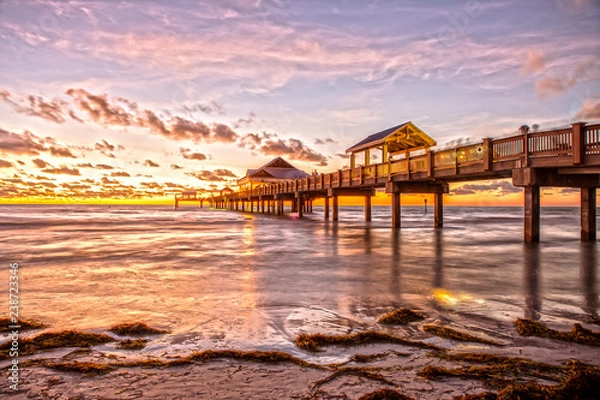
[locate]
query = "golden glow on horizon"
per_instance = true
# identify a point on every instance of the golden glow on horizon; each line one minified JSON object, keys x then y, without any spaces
{"x":484,"y":199}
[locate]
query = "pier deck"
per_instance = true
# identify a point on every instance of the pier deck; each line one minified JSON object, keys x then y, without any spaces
{"x":559,"y":158}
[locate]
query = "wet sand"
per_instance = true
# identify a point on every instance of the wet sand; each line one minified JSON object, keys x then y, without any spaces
{"x":363,"y":369}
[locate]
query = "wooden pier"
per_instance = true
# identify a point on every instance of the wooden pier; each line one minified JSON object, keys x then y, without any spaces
{"x":188,"y":196}
{"x":559,"y":158}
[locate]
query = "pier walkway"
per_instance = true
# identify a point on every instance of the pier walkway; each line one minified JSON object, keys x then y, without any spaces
{"x":559,"y":158}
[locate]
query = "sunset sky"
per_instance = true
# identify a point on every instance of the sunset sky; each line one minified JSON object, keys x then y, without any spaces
{"x":134,"y":100}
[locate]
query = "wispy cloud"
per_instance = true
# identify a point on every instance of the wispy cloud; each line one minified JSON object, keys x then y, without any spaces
{"x":62,"y":170}
{"x":188,"y":154}
{"x":150,"y":163}
{"x":217,"y":175}
{"x":271,"y":144}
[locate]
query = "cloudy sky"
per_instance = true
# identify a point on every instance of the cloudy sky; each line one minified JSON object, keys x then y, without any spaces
{"x":135,"y":100}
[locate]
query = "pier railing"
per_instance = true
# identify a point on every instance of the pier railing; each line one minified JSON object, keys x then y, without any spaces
{"x":576,"y":142}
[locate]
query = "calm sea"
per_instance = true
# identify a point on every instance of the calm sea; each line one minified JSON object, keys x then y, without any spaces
{"x":231,"y":279}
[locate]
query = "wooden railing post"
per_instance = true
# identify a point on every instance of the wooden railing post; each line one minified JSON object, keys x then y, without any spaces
{"x":525,"y":149}
{"x":429,"y":163}
{"x":579,"y":144}
{"x":339,"y":177}
{"x":488,"y":154}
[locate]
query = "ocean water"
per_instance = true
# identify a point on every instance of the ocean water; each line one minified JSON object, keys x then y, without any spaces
{"x":225,"y":279}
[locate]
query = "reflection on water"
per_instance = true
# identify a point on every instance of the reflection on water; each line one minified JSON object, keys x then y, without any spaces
{"x":589,"y":264}
{"x":230,"y":278}
{"x":438,"y":266}
{"x":533,"y":301}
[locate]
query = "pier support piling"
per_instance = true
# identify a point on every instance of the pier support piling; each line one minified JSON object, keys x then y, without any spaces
{"x":396,"y":202}
{"x":367,"y":208}
{"x":335,"y":207}
{"x":588,"y":214}
{"x":532,"y":214}
{"x":326,"y":208}
{"x":438,"y":210}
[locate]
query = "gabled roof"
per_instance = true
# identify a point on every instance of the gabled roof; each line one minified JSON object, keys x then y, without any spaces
{"x":277,"y":168}
{"x":405,"y":136}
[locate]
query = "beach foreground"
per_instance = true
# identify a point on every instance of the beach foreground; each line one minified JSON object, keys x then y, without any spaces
{"x":439,"y":361}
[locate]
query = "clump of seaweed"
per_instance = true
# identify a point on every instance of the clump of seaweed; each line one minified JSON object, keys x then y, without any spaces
{"x":132,"y":344}
{"x":254,"y":356}
{"x":521,"y":365}
{"x":579,"y":334}
{"x":478,"y":396}
{"x":24,"y":324}
{"x":365,"y":358}
{"x":314,"y":342}
{"x":362,"y":372}
{"x":491,"y":374}
{"x":581,"y":384}
{"x":385,"y":394}
{"x":401,"y":316}
{"x":449,"y":333}
{"x":88,"y":368}
{"x":578,"y":381}
{"x":53,"y":340}
{"x":135,"y":329}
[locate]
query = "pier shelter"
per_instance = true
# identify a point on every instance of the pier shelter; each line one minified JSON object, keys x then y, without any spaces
{"x":275,"y":171}
{"x":399,"y":143}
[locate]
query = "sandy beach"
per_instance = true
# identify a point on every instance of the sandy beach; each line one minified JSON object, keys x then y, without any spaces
{"x":418,"y":365}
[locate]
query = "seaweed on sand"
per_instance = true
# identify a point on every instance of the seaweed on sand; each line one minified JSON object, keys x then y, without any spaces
{"x":579,"y":381}
{"x":401,"y":316}
{"x":88,"y":368}
{"x":24,"y":324}
{"x":132,"y":344}
{"x":198,"y":356}
{"x":365,"y":358}
{"x":491,"y":374}
{"x":53,"y":340}
{"x":521,"y":365}
{"x":578,"y":334}
{"x":135,"y":329}
{"x":385,"y":394}
{"x":449,"y":333}
{"x":253,"y":356}
{"x":361,"y":372}
{"x":314,"y":342}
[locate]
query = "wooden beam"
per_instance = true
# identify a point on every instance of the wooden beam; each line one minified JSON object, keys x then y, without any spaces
{"x":588,"y":214}
{"x":578,"y":142}
{"x":550,"y":177}
{"x":326,"y":208}
{"x":532,"y":214}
